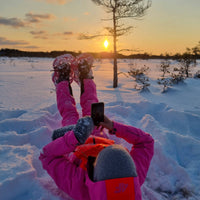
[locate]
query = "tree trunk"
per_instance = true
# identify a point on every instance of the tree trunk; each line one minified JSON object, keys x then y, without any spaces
{"x":115,"y":76}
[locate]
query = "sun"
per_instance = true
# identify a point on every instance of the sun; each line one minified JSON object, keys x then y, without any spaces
{"x":106,"y":43}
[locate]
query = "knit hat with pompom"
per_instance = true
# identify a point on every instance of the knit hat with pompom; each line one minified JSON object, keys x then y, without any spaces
{"x":114,"y":162}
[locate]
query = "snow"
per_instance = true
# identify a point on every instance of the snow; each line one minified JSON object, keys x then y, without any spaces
{"x":28,"y":116}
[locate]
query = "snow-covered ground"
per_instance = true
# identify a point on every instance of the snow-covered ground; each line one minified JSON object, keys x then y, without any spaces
{"x":28,"y":115}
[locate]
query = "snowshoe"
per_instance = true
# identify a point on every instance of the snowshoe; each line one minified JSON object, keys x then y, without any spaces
{"x":83,"y":69}
{"x":63,"y":68}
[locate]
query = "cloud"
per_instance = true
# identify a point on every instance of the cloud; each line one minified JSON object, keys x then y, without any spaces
{"x":31,"y":47}
{"x":63,"y":36}
{"x":16,"y":44}
{"x":4,"y":41}
{"x":68,"y":33}
{"x":36,"y":18}
{"x":40,"y":34}
{"x":30,"y":18}
{"x":14,"y":22}
{"x":45,"y":35}
{"x":60,"y":2}
{"x":83,"y":36}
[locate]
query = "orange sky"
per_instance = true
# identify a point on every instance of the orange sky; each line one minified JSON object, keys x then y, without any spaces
{"x":46,"y":25}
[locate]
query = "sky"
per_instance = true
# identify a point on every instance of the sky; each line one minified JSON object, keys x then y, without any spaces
{"x":169,"y":26}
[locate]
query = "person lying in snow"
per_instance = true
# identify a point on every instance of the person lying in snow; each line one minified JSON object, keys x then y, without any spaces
{"x":82,"y":160}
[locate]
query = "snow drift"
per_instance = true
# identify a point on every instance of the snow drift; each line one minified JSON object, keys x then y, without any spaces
{"x":28,"y":115}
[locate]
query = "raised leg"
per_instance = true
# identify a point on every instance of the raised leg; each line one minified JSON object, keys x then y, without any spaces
{"x":88,"y":96}
{"x":66,"y":104}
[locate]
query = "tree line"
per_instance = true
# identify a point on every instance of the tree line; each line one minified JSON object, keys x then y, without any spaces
{"x":18,"y":53}
{"x":102,"y":55}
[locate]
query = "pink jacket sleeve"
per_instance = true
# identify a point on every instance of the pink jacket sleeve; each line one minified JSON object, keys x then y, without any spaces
{"x":67,"y":175}
{"x":142,"y":150}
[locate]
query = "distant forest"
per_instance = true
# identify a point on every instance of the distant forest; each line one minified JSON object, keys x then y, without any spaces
{"x":18,"y":53}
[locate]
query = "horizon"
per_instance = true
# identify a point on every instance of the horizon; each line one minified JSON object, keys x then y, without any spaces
{"x":9,"y":52}
{"x":56,"y":25}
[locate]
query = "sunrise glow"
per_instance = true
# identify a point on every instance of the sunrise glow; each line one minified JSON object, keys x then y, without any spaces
{"x":63,"y":23}
{"x":106,"y":43}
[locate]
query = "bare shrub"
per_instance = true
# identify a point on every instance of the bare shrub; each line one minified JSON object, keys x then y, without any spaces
{"x":142,"y":81}
{"x":165,"y":81}
{"x":197,"y":74}
{"x":164,"y":67}
{"x":186,"y":62}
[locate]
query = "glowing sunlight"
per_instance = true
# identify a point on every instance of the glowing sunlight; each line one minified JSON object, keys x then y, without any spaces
{"x":106,"y":43}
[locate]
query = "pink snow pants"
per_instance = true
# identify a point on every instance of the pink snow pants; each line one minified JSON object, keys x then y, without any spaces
{"x":67,"y":105}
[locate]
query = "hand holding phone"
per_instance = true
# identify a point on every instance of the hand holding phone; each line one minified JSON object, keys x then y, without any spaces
{"x":97,"y":113}
{"x":107,"y":123}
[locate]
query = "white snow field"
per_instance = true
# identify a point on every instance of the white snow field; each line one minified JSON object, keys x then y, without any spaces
{"x":28,"y":115}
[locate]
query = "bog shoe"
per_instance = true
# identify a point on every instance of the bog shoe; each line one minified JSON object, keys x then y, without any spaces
{"x":61,"y":73}
{"x":63,"y":69}
{"x":83,"y":69}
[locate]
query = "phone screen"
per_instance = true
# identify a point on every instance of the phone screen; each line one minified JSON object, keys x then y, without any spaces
{"x":97,"y":112}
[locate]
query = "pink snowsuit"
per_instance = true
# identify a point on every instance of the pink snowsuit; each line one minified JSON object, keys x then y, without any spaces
{"x":56,"y":156}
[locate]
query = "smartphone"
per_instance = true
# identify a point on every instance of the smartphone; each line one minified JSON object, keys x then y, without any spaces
{"x":97,"y":112}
